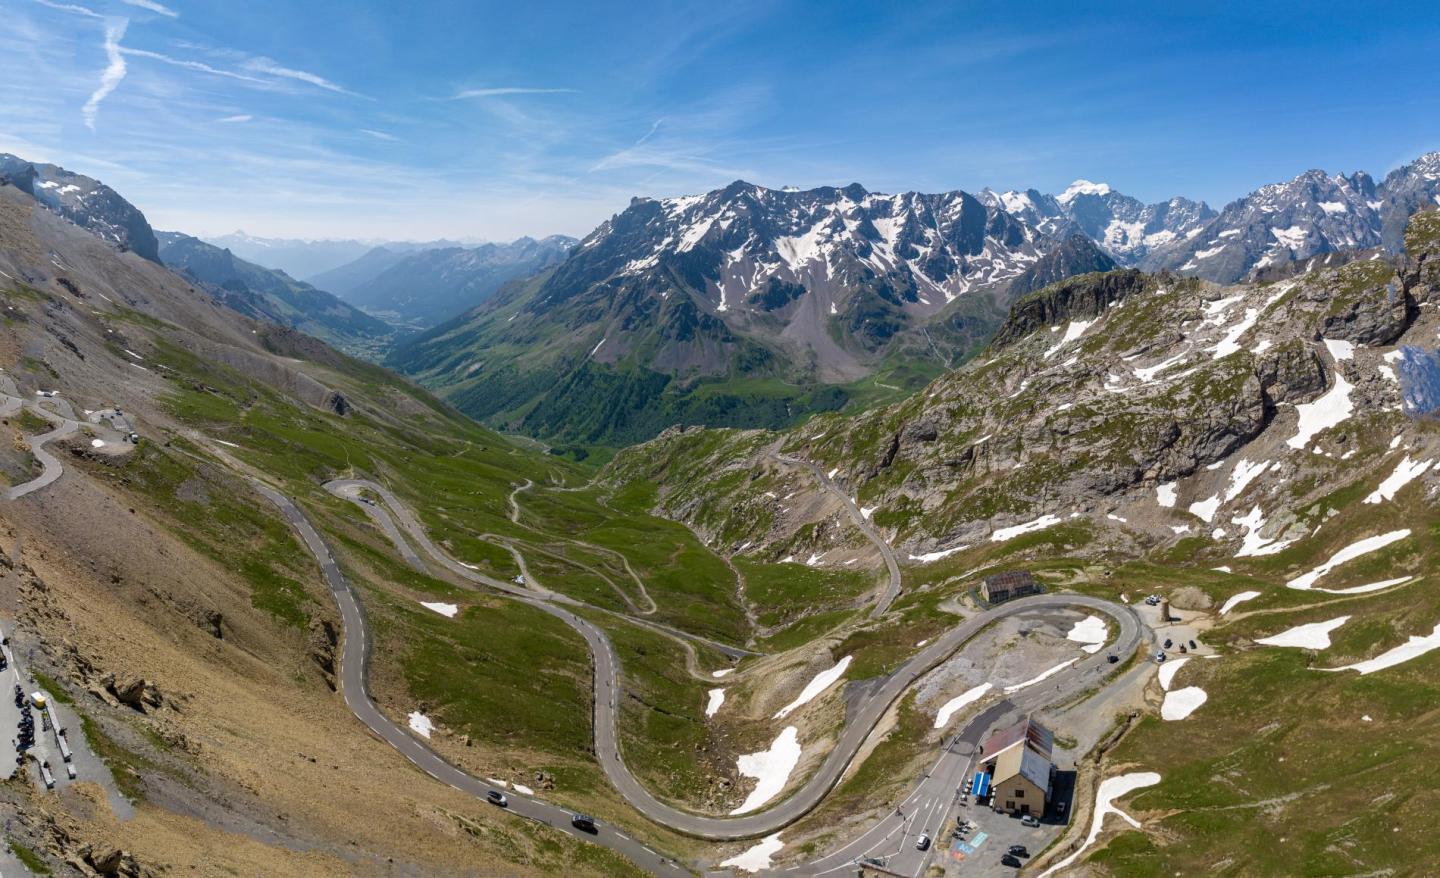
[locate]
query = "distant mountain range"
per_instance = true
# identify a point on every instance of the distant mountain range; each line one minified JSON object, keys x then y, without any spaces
{"x":423,"y":287}
{"x":740,"y":306}
{"x":749,"y":306}
{"x":304,"y":259}
{"x":270,"y":294}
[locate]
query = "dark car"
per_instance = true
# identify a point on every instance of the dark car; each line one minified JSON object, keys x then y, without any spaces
{"x":1193,"y":646}
{"x":1011,"y":861}
{"x":1018,"y":850}
{"x":1169,"y":643}
{"x":1112,"y":658}
{"x":583,"y":822}
{"x":495,"y":797}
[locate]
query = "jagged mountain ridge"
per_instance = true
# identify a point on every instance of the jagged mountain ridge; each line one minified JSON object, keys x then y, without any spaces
{"x":1313,"y":214}
{"x":815,"y":288}
{"x":1124,"y":227}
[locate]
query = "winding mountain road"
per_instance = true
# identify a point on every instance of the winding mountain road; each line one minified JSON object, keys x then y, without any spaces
{"x":608,"y":687}
{"x":354,"y":660}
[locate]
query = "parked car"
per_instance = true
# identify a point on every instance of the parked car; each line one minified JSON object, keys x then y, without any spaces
{"x":495,"y":797}
{"x":1112,"y":658}
{"x":922,"y":843}
{"x":1019,"y":850}
{"x":583,"y":822}
{"x":1011,"y":861}
{"x":1193,"y":646}
{"x":1169,"y":643}
{"x":1030,"y":820}
{"x":1159,"y":656}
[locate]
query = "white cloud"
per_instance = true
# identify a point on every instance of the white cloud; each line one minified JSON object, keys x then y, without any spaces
{"x":243,"y":117}
{"x":379,"y":135}
{"x":153,"y":7}
{"x":71,"y":8}
{"x":274,"y":68}
{"x":509,"y":90}
{"x":113,"y":73}
{"x":190,"y":65}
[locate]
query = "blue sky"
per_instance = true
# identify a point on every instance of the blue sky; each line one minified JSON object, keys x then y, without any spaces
{"x":491,"y":120}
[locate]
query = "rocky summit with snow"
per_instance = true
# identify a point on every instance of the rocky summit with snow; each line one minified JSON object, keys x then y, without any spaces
{"x":754,"y":307}
{"x":809,"y":288}
{"x":1315,"y":213}
{"x":1131,"y":409}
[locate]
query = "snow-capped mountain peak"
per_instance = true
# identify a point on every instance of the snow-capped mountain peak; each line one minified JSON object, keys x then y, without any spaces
{"x":1082,"y":187}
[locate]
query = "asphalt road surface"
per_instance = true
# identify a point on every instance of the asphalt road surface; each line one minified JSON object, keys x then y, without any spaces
{"x":608,"y":687}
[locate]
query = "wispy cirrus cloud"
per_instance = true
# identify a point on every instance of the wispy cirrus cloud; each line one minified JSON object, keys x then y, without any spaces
{"x":270,"y":67}
{"x":236,"y":119}
{"x":111,"y":76}
{"x":468,"y":93}
{"x":198,"y":66}
{"x":71,"y":8}
{"x":152,"y":6}
{"x":380,"y":135}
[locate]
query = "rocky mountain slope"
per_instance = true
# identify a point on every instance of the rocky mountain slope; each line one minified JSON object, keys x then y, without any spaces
{"x":272,"y":295}
{"x":1142,"y":406}
{"x":672,"y":310}
{"x":433,"y":284}
{"x":165,"y":602}
{"x":86,"y":202}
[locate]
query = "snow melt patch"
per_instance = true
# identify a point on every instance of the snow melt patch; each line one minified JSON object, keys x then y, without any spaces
{"x":1009,"y":533}
{"x":1110,"y":790}
{"x":1236,"y":600}
{"x":1165,"y":495}
{"x":1307,"y":581}
{"x":1182,"y":702}
{"x":1044,"y":675}
{"x":1405,"y":472}
{"x":757,"y":858}
{"x":1089,"y":631}
{"x":1169,"y":669}
{"x":936,"y":556}
{"x":969,"y":696}
{"x":97,"y":443}
{"x":1315,"y":635}
{"x":420,"y":724}
{"x":770,"y":769}
{"x":1328,"y":411}
{"x":1255,"y":545}
{"x":718,"y":674}
{"x":717,"y":698}
{"x":1205,"y":509}
{"x":1072,"y":332}
{"x":1413,"y":648}
{"x":1340,"y":349}
{"x":1244,"y":473}
{"x":819,"y":683}
{"x":441,"y":608}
